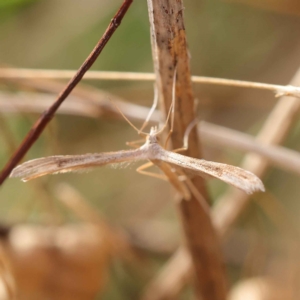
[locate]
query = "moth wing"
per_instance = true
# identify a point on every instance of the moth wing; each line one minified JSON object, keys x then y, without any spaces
{"x":69,"y":163}
{"x":232,"y":175}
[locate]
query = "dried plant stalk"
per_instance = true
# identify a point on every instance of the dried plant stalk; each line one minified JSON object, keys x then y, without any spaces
{"x":278,"y":156}
{"x":116,"y":240}
{"x":14,"y":73}
{"x":169,"y":50}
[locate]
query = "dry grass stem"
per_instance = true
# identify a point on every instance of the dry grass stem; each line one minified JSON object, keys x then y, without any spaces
{"x":142,"y":230}
{"x":96,"y":101}
{"x":49,"y":213}
{"x":74,"y":201}
{"x":169,"y":276}
{"x":170,"y":54}
{"x":220,"y":136}
{"x":15,"y":73}
{"x":92,"y":104}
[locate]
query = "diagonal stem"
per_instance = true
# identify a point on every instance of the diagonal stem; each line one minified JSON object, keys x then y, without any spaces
{"x":46,"y":117}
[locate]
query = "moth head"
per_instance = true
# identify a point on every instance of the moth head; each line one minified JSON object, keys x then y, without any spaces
{"x":152,"y":138}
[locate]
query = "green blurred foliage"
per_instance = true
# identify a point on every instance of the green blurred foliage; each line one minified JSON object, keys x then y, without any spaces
{"x":9,"y":4}
{"x":8,"y":8}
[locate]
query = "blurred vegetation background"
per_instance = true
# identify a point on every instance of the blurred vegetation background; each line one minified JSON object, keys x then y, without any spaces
{"x":229,"y":39}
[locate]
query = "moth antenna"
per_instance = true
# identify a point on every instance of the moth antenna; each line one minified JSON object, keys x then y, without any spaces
{"x":166,"y":123}
{"x":172,"y":108}
{"x":173,"y":100}
{"x":187,"y":133}
{"x":154,"y":105}
{"x":127,"y":120}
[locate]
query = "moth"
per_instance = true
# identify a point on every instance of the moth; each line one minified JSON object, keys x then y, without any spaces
{"x":172,"y":164}
{"x":167,"y":161}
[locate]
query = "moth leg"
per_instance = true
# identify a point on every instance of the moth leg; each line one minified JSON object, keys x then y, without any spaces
{"x":172,"y":109}
{"x":180,"y":149}
{"x":194,"y":191}
{"x":185,"y":145}
{"x":152,"y":174}
{"x":135,"y":144}
{"x":174,"y":179}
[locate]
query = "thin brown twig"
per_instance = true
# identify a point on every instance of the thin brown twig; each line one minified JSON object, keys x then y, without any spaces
{"x":46,"y":117}
{"x":16,"y":73}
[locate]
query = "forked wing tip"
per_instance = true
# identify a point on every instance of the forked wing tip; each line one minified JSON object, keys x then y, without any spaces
{"x":257,"y":187}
